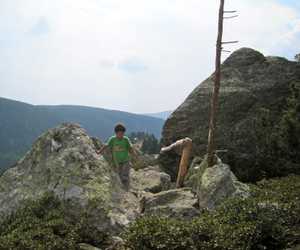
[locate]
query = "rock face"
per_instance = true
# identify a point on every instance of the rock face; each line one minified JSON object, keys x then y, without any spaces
{"x":149,"y":179}
{"x":250,"y":82}
{"x":63,"y":160}
{"x":215,"y":184}
{"x":179,"y":203}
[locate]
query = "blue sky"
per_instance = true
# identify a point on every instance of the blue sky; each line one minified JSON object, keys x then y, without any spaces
{"x":135,"y":55}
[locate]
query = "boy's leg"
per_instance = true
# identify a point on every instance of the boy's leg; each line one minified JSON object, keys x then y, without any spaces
{"x":124,"y":171}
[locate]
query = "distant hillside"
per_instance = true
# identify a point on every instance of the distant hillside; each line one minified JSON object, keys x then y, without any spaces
{"x":162,"y":115}
{"x":22,"y":123}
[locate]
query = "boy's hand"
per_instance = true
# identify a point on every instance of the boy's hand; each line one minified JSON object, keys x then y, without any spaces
{"x":99,"y":151}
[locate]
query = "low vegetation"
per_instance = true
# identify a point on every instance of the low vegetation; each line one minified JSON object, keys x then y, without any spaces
{"x":278,"y":142}
{"x":274,"y":140}
{"x":267,"y":220}
{"x":46,"y":224}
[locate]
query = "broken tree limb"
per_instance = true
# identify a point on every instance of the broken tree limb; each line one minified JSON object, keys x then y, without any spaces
{"x":182,"y":147}
{"x":184,"y":162}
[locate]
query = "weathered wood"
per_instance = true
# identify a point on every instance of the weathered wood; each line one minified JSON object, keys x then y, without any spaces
{"x":184,"y":148}
{"x":214,"y":100}
{"x":184,"y":162}
{"x":176,"y":146}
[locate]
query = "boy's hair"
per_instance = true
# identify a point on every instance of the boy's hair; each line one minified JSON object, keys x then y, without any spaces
{"x":120,"y":127}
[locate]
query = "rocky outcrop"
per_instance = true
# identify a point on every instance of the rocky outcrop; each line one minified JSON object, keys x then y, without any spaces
{"x":178,"y":203}
{"x":63,"y":160}
{"x":250,"y":82}
{"x":215,"y":184}
{"x":84,"y":246}
{"x":150,"y":179}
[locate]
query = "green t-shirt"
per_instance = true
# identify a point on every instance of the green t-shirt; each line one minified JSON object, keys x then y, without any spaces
{"x":120,"y":148}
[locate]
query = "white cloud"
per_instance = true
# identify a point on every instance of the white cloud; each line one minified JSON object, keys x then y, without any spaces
{"x":134,"y":55}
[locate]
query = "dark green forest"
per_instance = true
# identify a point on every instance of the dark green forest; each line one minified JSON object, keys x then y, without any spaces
{"x":150,"y":144}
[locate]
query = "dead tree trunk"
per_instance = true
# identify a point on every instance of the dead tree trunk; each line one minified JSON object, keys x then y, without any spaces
{"x":184,"y":162}
{"x":184,"y":148}
{"x":214,"y":100}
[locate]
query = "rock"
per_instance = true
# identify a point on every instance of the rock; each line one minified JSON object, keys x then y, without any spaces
{"x":84,"y":246}
{"x":178,"y":203}
{"x":63,"y":161}
{"x":192,"y":177}
{"x":116,"y":243}
{"x":143,"y":160}
{"x":150,"y":179}
{"x":250,"y":82}
{"x":217,"y":183}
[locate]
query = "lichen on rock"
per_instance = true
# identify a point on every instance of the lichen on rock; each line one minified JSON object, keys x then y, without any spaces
{"x":64,"y":161}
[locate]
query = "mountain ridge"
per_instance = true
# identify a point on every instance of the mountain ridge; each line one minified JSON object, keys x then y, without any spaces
{"x":21,"y":123}
{"x":162,"y":115}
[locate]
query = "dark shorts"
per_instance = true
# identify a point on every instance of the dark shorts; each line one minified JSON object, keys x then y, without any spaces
{"x":124,"y":172}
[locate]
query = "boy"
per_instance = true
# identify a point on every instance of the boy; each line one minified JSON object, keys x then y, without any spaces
{"x":120,"y":147}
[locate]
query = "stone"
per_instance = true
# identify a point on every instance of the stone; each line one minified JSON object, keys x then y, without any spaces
{"x":192,"y":177}
{"x":64,"y":161}
{"x":250,"y":82}
{"x":175,"y":203}
{"x":116,"y":243}
{"x":218,"y":183}
{"x":149,"y":179}
{"x":84,"y":246}
{"x":143,"y":160}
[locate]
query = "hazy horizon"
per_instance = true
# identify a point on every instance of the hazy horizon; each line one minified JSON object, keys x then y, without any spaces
{"x":136,"y":56}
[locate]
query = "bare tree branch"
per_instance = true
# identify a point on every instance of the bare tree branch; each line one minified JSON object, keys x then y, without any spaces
{"x":230,"y":17}
{"x":230,"y":42}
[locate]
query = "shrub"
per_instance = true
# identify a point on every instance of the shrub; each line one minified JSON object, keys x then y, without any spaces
{"x":158,"y":233}
{"x":278,"y":141}
{"x":269,"y":219}
{"x":45,"y":224}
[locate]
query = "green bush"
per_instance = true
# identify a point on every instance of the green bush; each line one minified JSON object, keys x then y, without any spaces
{"x":158,"y":233}
{"x":278,"y":141}
{"x":46,"y":224}
{"x":269,"y":219}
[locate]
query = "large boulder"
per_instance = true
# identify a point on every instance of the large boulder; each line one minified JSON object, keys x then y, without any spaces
{"x":149,"y":179}
{"x":178,"y":203}
{"x":215,"y":184}
{"x":63,"y":161}
{"x":250,"y":82}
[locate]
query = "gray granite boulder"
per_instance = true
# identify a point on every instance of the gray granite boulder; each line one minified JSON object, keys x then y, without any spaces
{"x":216,"y":184}
{"x":63,"y":161}
{"x":149,"y":179}
{"x":250,"y":83}
{"x":174,"y":203}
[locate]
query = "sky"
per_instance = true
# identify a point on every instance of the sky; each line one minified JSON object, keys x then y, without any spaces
{"x":135,"y":55}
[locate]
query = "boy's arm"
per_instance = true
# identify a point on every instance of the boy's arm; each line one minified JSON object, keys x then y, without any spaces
{"x":132,"y":149}
{"x":100,"y":151}
{"x":105,"y":146}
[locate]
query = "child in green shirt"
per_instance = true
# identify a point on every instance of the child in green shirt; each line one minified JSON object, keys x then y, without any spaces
{"x":120,"y":146}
